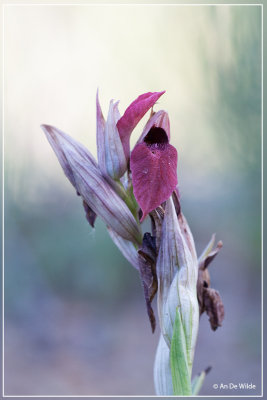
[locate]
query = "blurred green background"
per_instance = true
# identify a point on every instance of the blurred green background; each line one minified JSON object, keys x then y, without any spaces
{"x":75,"y":320}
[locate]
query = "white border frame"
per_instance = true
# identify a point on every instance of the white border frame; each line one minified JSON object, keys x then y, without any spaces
{"x":3,"y":197}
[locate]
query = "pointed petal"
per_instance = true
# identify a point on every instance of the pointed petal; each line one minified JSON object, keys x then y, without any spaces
{"x":117,"y":115}
{"x":154,"y":174}
{"x":127,"y":248}
{"x":209,"y":253}
{"x":100,"y":135}
{"x":81,"y":169}
{"x":61,"y":144}
{"x":159,"y":119}
{"x":132,"y":116}
{"x":207,"y":249}
{"x":211,"y":256}
{"x":115,"y":161}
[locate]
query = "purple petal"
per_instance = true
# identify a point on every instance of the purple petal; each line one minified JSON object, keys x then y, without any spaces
{"x":115,"y":161}
{"x":110,"y":152}
{"x":100,"y":135}
{"x":132,"y":116}
{"x":154,"y":174}
{"x":61,"y":143}
{"x":99,"y":195}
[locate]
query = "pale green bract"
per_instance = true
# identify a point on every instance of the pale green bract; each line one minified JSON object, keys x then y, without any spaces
{"x":177,"y":270}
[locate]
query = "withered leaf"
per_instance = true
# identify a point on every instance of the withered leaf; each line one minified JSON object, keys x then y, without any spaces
{"x":214,"y":307}
{"x":209,"y":299}
{"x":202,"y":282}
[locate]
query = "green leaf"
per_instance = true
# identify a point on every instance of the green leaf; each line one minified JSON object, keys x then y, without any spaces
{"x":188,"y":340}
{"x":198,"y":382}
{"x":181,"y":380}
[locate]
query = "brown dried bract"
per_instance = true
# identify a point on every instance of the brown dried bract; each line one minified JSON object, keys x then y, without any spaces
{"x":147,"y":267}
{"x":213,"y":306}
{"x":209,"y":299}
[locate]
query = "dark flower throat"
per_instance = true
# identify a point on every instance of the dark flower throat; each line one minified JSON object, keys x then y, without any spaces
{"x":156,"y":136}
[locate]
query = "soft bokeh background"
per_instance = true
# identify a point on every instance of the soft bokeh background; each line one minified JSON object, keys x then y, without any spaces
{"x":75,"y":321}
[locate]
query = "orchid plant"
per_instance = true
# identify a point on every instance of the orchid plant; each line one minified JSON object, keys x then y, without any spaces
{"x":123,"y":188}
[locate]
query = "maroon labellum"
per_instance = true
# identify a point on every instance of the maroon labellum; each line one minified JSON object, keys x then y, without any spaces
{"x":153,"y":163}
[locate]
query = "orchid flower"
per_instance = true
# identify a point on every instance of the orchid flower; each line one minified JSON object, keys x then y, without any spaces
{"x":98,"y":183}
{"x":123,"y":188}
{"x":154,"y":164}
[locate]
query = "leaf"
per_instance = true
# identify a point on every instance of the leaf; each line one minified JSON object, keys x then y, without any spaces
{"x":198,"y":380}
{"x":178,"y":358}
{"x":162,"y":369}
